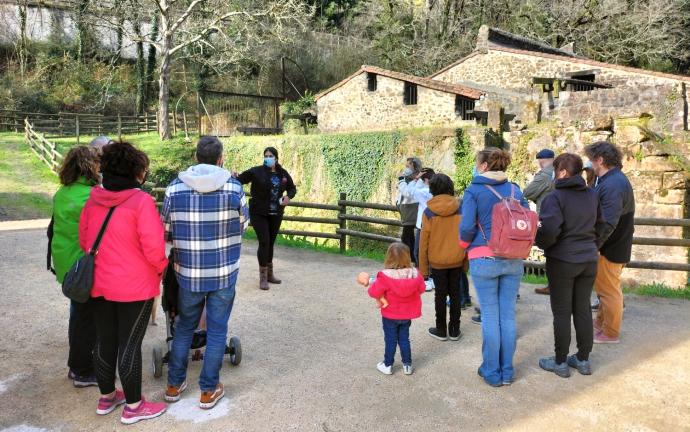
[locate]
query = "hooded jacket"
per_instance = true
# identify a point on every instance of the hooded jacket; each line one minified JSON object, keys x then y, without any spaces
{"x":205,"y":215}
{"x":439,"y":247}
{"x":68,"y":202}
{"x":403,"y":290}
{"x":131,"y":257}
{"x":569,"y":218}
{"x":540,"y":186}
{"x":617,"y":202}
{"x":477,"y":207}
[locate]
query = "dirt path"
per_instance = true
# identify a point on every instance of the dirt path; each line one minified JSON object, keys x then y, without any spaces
{"x":310,"y":350}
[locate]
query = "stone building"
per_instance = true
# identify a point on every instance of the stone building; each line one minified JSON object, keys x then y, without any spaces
{"x":377,"y":99}
{"x":537,"y":96}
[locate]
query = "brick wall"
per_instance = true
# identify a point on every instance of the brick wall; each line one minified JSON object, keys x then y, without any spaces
{"x":352,"y":107}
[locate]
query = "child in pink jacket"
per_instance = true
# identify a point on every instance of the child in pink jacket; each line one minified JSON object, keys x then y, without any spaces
{"x":402,"y":285}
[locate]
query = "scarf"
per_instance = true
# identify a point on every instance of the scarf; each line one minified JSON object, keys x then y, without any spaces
{"x":115,"y":183}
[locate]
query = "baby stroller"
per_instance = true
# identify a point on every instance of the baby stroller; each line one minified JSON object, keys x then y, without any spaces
{"x":233,"y":350}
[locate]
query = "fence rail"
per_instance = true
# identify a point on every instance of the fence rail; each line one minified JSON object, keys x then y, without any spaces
{"x":343,"y":232}
{"x":43,"y":148}
{"x":68,"y":124}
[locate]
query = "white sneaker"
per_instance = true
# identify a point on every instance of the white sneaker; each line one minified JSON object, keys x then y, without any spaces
{"x":408,"y":369}
{"x":386,"y":370}
{"x":429,"y":285}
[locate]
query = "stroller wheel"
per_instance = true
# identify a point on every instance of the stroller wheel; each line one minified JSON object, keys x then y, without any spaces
{"x":157,"y":363}
{"x":235,"y":351}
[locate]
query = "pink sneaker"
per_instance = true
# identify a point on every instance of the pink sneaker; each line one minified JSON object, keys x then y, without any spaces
{"x":106,"y":406}
{"x":146,"y":410}
{"x":601,"y":338}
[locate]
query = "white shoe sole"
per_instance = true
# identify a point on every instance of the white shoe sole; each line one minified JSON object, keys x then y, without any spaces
{"x":212,"y":404}
{"x":384,"y":371}
{"x":183,"y":387}
{"x":411,"y":371}
{"x":455,"y":338}
{"x":109,"y":410}
{"x":438,"y":337}
{"x":138,"y":419}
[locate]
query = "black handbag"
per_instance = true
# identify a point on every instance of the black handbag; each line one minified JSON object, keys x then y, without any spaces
{"x":79,"y":279}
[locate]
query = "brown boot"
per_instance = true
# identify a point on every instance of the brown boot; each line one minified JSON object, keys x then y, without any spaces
{"x":545,"y":290}
{"x":271,"y":277}
{"x":263,"y":278}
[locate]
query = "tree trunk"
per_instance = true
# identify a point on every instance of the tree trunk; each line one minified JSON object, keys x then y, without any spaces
{"x":164,"y":80}
{"x":151,"y":62}
{"x":141,"y":72}
{"x":22,"y":38}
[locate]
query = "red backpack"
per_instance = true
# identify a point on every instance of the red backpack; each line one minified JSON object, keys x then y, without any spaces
{"x":513,"y":227}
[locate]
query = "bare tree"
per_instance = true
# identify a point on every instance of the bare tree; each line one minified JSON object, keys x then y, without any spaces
{"x":229,"y":29}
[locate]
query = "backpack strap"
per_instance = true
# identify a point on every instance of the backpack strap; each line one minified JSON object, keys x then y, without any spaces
{"x":94,"y":248}
{"x":495,"y":192}
{"x":49,"y":257}
{"x":428,"y":213}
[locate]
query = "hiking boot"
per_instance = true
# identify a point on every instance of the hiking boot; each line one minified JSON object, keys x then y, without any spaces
{"x":146,"y":410}
{"x":172,"y":393}
{"x":386,"y":370}
{"x":81,"y":381}
{"x":582,"y":366}
{"x":601,"y":338}
{"x":263,"y":278}
{"x":407,"y":369}
{"x":560,"y":369}
{"x":544,"y":291}
{"x":272,"y":277}
{"x":209,"y":399}
{"x":108,"y":405}
{"x":477,"y":319}
{"x":438,"y":334}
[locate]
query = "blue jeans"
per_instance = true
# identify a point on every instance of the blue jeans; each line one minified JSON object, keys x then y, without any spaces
{"x":497,"y":282}
{"x":397,"y":332}
{"x":190,"y":305}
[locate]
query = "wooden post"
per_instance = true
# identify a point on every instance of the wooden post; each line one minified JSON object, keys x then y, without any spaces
{"x":146,"y":120}
{"x":15,"y":121}
{"x":76,"y":127}
{"x":60,"y":124}
{"x":119,"y":127}
{"x":343,"y":223}
{"x":184,"y":124}
{"x":158,"y":126}
{"x":174,"y":122}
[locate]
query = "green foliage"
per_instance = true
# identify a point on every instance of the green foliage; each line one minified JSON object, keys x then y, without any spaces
{"x":168,"y":159}
{"x":356,"y":163}
{"x":521,"y":162}
{"x":535,"y":279}
{"x":659,"y":290}
{"x":464,"y":161}
{"x":299,"y":106}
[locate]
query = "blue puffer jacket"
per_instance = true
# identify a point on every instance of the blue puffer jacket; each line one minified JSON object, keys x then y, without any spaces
{"x":477,"y":204}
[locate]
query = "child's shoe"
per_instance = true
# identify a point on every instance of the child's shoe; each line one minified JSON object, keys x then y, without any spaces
{"x":386,"y":370}
{"x":407,"y":369}
{"x":438,"y":334}
{"x":108,"y":405}
{"x":146,"y":410}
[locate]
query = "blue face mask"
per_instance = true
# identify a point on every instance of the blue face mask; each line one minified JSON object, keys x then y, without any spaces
{"x":475,"y":171}
{"x":270,"y":161}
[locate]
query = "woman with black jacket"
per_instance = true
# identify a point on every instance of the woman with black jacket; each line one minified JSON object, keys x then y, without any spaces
{"x":569,"y":221}
{"x":270,"y":183}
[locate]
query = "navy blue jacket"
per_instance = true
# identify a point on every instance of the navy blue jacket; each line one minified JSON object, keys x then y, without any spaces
{"x":618,"y":209}
{"x":569,"y":218}
{"x":477,"y":205}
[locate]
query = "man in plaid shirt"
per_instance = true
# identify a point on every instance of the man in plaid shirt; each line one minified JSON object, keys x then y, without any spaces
{"x":205,"y":215}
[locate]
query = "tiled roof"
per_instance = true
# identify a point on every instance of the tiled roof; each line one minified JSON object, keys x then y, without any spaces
{"x":468,"y":92}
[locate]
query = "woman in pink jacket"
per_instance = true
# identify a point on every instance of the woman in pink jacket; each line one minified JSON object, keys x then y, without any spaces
{"x":129,"y":264}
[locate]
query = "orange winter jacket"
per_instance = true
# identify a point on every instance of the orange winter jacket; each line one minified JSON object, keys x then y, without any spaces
{"x":439,"y":246}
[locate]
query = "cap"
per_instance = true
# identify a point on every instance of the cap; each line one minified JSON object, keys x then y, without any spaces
{"x":100,"y":142}
{"x":546,"y":154}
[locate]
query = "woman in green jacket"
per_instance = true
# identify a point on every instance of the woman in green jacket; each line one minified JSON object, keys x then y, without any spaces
{"x":78,"y":174}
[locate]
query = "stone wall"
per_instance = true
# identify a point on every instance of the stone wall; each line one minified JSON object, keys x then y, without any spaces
{"x":660,"y":181}
{"x":352,"y":107}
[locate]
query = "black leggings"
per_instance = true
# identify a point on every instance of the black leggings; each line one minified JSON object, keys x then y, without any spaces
{"x":266,"y":229}
{"x":408,"y":239}
{"x":120,"y":329}
{"x":447,"y":284}
{"x":571,"y":288}
{"x":82,"y":338}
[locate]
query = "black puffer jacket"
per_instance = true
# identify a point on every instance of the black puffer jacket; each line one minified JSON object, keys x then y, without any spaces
{"x":569,"y":221}
{"x":260,"y":178}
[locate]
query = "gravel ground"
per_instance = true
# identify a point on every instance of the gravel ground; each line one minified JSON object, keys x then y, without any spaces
{"x":310,"y":350}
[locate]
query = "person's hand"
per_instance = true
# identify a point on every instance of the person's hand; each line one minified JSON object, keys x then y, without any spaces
{"x":285,"y":201}
{"x":235,"y":174}
{"x":418,"y":175}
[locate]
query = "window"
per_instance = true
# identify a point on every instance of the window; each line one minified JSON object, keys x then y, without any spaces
{"x":371,"y":81}
{"x":410,"y":94}
{"x":582,"y":86}
{"x":464,"y":107}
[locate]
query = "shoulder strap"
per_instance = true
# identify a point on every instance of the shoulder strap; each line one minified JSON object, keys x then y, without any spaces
{"x":49,"y":257}
{"x":94,"y":248}
{"x":495,"y":192}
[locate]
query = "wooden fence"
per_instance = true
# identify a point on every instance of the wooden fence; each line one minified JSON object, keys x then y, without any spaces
{"x":66,"y":124}
{"x":341,"y":231}
{"x":43,"y":148}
